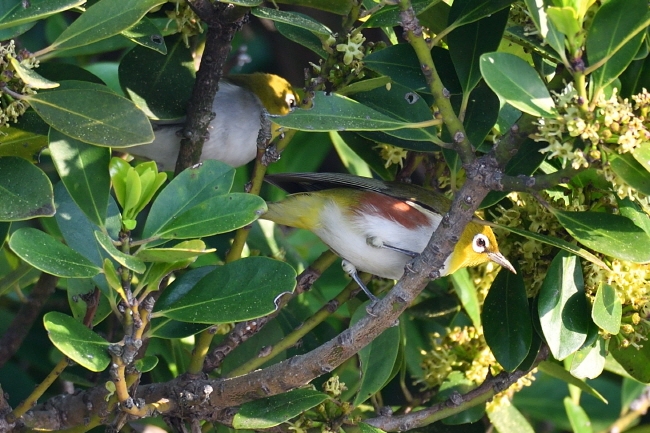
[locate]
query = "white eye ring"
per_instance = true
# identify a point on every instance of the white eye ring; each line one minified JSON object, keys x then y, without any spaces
{"x":480,"y":243}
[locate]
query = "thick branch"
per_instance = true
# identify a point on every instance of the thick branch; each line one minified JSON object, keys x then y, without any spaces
{"x":28,"y":313}
{"x":223,"y":21}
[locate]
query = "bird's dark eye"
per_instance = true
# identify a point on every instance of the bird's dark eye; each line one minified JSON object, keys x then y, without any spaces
{"x":481,"y":243}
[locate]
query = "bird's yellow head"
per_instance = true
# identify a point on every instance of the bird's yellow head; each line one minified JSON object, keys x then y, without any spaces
{"x":477,"y":245}
{"x":275,"y":93}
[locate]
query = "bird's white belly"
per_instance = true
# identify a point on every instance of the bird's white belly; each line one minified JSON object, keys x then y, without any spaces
{"x":349,"y":240}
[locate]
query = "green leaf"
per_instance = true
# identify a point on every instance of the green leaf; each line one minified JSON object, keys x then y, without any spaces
{"x":616,"y":64}
{"x":26,"y":138}
{"x":159,"y":84}
{"x":469,"y":42}
{"x":292,"y":18}
{"x":565,"y":20}
{"x":126,"y":260}
{"x":30,"y":77}
{"x":145,"y":33}
{"x":269,"y":412}
{"x":481,"y":115}
{"x":609,"y":234}
{"x":146,"y":364}
{"x":181,"y":251}
{"x":83,"y":168}
{"x":76,"y":341}
{"x":187,"y":190}
{"x":629,"y":169}
{"x":507,"y":324}
{"x":616,"y":23}
{"x":558,"y":372}
{"x":389,"y":15}
{"x":642,"y":155}
{"x":367,"y":428}
{"x":44,"y":252}
{"x":13,"y":13}
{"x":377,"y":360}
{"x":635,"y":361}
{"x":301,"y":36}
{"x":631,"y":210}
{"x":578,"y":418}
{"x":340,"y":7}
{"x":546,"y":28}
{"x":403,"y":104}
{"x":589,"y":361}
{"x":102,"y":20}
{"x":93,"y":114}
{"x":518,"y":83}
{"x":400,"y":63}
{"x":607,"y":309}
{"x":219,"y":214}
{"x":365,"y":149}
{"x":507,"y":419}
{"x":467,"y":11}
{"x":466,"y":292}
{"x":337,"y":113}
{"x":241,"y":290}
{"x":163,"y":327}
{"x":4,"y":231}
{"x":352,"y":162}
{"x":557,"y":242}
{"x":562,"y":306}
{"x":25,"y":191}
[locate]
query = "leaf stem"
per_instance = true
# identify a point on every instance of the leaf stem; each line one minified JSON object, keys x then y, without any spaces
{"x":30,"y":401}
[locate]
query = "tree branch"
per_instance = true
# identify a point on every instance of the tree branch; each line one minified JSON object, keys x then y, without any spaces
{"x":223,"y":21}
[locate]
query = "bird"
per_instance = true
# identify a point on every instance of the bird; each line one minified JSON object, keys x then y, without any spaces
{"x":373,"y":225}
{"x":233,"y":133}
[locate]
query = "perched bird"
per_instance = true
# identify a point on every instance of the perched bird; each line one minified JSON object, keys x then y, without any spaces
{"x":375,"y":226}
{"x":233,"y":133}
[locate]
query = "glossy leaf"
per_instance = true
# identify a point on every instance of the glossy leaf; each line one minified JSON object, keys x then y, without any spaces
{"x":83,"y":168}
{"x":241,"y":290}
{"x":301,"y":36}
{"x":467,"y":11}
{"x":588,"y":362}
{"x":76,"y":341}
{"x":219,"y":214}
{"x":337,"y":113}
{"x":615,"y":24}
{"x":340,"y":7}
{"x":30,"y":77}
{"x":25,"y":191}
{"x":642,"y":155}
{"x":126,"y":260}
{"x":93,"y":114}
{"x":293,"y":19}
{"x":607,"y":309}
{"x":377,"y":360}
{"x":78,"y":230}
{"x":181,"y":251}
{"x":481,"y":114}
{"x":559,"y":243}
{"x":146,"y":364}
{"x":633,"y":212}
{"x":269,"y":412}
{"x":367,"y":428}
{"x":577,"y":417}
{"x":44,"y":252}
{"x":403,"y":104}
{"x":159,"y":84}
{"x":389,"y":15}
{"x":26,"y":138}
{"x":629,"y":169}
{"x":562,"y":306}
{"x":187,"y":190}
{"x":466,"y":292}
{"x":400,"y":63}
{"x":609,"y":234}
{"x":14,"y":14}
{"x":616,"y":64}
{"x":469,"y":42}
{"x":507,"y":419}
{"x":352,"y":162}
{"x":518,"y":83}
{"x":507,"y":324}
{"x":547,"y":29}
{"x":101,"y":20}
{"x":558,"y":372}
{"x":635,"y":361}
{"x":146,"y":34}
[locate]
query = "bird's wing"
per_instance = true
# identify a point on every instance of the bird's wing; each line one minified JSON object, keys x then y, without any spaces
{"x":305,"y":182}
